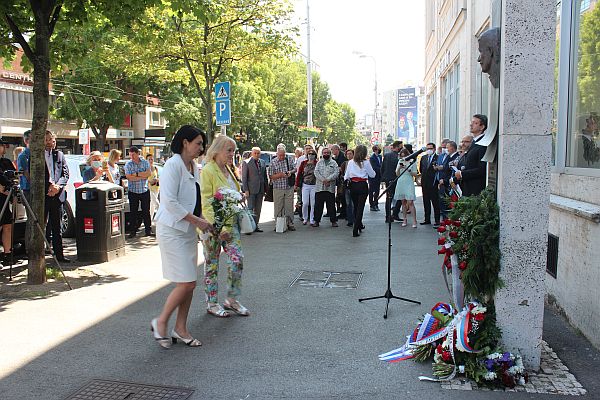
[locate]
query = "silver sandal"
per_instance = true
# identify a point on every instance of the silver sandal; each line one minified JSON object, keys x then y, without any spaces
{"x":191,"y":342}
{"x":237,"y":308}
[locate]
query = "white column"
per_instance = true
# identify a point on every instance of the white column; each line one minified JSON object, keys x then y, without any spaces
{"x":526,"y":101}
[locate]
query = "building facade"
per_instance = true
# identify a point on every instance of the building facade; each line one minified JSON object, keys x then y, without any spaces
{"x":454,"y":86}
{"x":16,"y":112}
{"x":455,"y":89}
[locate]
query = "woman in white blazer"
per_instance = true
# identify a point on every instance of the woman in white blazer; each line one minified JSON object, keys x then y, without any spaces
{"x":178,"y":216}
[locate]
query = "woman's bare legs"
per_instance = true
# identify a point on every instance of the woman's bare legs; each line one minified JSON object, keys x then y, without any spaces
{"x":181,"y":298}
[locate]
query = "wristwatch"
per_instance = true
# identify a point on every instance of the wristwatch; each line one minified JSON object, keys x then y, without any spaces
{"x":137,"y":174}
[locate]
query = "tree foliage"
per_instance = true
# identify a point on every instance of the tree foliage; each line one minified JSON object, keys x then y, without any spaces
{"x":589,"y":61}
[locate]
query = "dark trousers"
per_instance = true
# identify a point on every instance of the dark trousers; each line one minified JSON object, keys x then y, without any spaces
{"x":340,"y":202}
{"x":442,"y":193}
{"x":53,"y":208}
{"x":431,"y":197}
{"x":359,"y":191}
{"x":255,"y":205}
{"x":374,"y":186}
{"x":388,"y":201}
{"x":321,"y":198}
{"x":135,"y":199}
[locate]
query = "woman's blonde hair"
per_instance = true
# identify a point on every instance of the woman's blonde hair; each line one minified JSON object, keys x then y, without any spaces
{"x":16,"y":151}
{"x":112,"y":156}
{"x":92,"y":155}
{"x":217,"y":146}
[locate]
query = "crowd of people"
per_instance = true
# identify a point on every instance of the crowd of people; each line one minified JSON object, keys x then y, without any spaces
{"x":331,"y":176}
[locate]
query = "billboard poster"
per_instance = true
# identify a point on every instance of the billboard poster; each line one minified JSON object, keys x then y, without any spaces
{"x":407,"y":115}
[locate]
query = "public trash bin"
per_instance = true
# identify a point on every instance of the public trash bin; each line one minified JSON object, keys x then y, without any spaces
{"x":100,"y":221}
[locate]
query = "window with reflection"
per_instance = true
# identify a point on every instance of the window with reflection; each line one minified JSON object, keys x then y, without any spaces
{"x":583,"y":145}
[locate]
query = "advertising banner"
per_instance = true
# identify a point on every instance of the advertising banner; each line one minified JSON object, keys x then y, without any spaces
{"x":407,"y":115}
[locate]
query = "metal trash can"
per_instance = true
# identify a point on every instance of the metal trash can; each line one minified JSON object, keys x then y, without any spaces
{"x":100,"y":221}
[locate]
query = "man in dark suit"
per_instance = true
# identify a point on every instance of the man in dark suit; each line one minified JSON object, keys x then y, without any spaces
{"x":375,"y":183}
{"x":429,"y":185}
{"x":254,"y":183}
{"x":472,"y":172}
{"x":445,"y":163}
{"x":388,"y":174}
{"x":57,"y":176}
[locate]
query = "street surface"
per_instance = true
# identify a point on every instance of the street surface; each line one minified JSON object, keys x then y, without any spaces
{"x":299,"y":342}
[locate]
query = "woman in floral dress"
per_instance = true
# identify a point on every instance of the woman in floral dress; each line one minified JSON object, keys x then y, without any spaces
{"x":216,"y":174}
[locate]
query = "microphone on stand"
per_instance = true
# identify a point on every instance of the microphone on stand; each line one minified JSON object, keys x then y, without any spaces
{"x":415,"y":154}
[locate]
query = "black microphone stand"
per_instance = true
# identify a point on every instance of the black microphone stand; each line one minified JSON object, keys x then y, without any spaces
{"x":388,"y":293}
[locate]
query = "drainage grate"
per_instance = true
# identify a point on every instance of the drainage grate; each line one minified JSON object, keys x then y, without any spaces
{"x":99,"y":389}
{"x":328,"y":279}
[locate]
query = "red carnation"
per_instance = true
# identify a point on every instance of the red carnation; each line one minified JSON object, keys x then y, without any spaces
{"x":441,"y":229}
{"x":439,"y":349}
{"x":453,"y":234}
{"x":441,"y":241}
{"x":454,"y":197}
{"x":451,"y":205}
{"x":479,"y":317}
{"x":446,"y":356}
{"x":448,"y":221}
{"x":449,"y":251}
{"x":456,"y":223}
{"x":442,"y":250}
{"x":462,"y":265}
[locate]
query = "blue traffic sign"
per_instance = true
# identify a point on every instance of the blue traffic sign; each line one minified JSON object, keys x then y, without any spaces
{"x":222,"y":91}
{"x":223,"y":112}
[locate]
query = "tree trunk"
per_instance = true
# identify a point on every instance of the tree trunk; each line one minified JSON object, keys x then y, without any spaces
{"x":209,"y":113}
{"x":41,"y":76}
{"x":102,"y":137}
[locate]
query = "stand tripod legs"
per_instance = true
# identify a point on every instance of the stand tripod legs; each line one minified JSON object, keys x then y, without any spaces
{"x":388,"y":293}
{"x":36,"y":222}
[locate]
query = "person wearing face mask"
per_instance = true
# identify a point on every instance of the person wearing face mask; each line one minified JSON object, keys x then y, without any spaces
{"x":305,"y":179}
{"x":375,"y":183}
{"x":326,"y":174}
{"x":429,"y":185}
{"x":96,"y":170}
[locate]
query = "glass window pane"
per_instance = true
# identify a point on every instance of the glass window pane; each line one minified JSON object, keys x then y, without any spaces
{"x":554,"y":128}
{"x":583,"y":147}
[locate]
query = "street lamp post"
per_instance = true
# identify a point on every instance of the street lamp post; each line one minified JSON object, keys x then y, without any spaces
{"x":309,"y":105}
{"x":363,"y":55}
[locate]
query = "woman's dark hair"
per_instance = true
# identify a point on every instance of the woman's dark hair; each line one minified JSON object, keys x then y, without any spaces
{"x":404,"y":153}
{"x":189,"y":133}
{"x":360,"y":154}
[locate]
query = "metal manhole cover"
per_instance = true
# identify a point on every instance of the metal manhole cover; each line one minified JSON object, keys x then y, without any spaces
{"x":99,"y":389}
{"x":328,"y":279}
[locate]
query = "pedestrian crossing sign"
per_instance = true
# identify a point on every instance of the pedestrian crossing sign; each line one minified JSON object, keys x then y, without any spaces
{"x":222,"y":91}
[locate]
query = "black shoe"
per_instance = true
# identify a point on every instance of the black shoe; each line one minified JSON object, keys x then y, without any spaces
{"x":425,"y":223}
{"x":249,"y":233}
{"x":132,"y":234}
{"x":377,"y":208}
{"x":397,"y":218}
{"x":258,"y":230}
{"x":150,"y":234}
{"x":63,"y":259}
{"x":349,"y":224}
{"x":436,"y":225}
{"x":388,"y":220}
{"x":5,"y":259}
{"x":355,"y":234}
{"x":373,"y":208}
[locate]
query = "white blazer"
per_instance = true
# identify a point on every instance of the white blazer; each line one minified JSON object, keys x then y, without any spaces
{"x":177,"y":193}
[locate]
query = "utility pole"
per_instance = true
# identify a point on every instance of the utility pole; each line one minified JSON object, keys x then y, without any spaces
{"x":309,"y":109}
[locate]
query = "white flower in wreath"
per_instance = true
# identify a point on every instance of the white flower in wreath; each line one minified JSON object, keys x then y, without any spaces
{"x":490,"y":376}
{"x":445,"y":344}
{"x":494,"y":356}
{"x":515,"y":370}
{"x":478,"y":310}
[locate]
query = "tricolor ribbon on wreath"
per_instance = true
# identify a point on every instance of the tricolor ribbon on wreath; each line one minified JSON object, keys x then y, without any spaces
{"x":441,"y":323}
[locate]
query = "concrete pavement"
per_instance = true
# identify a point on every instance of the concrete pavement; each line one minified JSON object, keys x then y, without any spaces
{"x":299,"y":342}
